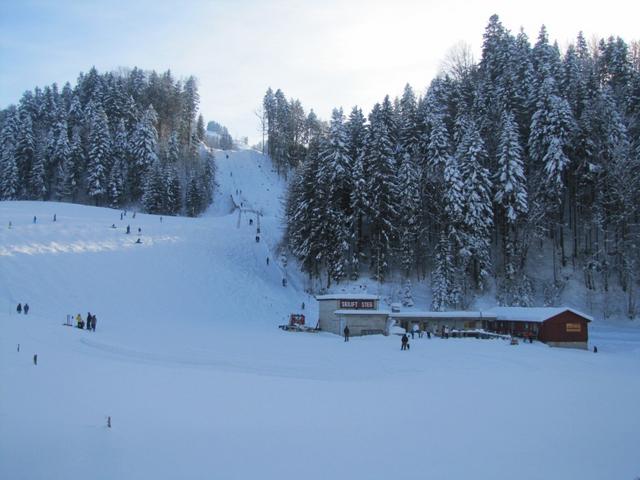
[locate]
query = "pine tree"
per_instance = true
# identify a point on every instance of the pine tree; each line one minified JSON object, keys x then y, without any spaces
{"x":200,"y":131}
{"x":380,"y":165}
{"x":409,"y":134}
{"x":409,"y":213}
{"x":24,"y":151}
{"x":8,"y":167}
{"x":118,"y":172}
{"x":477,"y":213}
{"x":552,"y":125}
{"x":359,"y":205}
{"x":335,"y":174}
{"x":511,"y":189}
{"x":99,"y":154}
{"x":336,"y":164}
{"x":155,"y":189}
{"x":36,"y":180}
{"x":173,"y":203}
{"x":444,"y":291}
{"x":116,"y":183}
{"x":73,"y":166}
{"x":61,"y":152}
{"x":193,"y":203}
{"x":144,"y":145}
{"x":356,"y":132}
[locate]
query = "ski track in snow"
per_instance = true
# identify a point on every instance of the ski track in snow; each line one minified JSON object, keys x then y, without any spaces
{"x":189,"y":363}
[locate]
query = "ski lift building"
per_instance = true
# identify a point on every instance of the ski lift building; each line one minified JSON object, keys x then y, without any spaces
{"x":357,"y":311}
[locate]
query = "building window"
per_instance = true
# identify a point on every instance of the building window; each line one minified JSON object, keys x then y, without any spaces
{"x":574,"y":327}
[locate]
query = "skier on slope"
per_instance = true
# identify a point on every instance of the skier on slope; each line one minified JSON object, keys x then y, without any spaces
{"x":26,"y":308}
{"x":19,"y":308}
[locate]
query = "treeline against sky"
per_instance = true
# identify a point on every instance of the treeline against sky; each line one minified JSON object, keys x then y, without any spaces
{"x":114,"y":139}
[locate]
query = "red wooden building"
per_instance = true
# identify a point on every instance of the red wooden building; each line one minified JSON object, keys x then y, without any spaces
{"x":555,"y":326}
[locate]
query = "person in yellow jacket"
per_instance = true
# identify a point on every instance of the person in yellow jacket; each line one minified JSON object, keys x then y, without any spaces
{"x":79,"y":321}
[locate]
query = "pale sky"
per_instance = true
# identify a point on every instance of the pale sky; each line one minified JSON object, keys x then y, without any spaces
{"x":327,"y":53}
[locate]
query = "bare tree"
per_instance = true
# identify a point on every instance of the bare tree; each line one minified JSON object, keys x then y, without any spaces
{"x":634,"y":49}
{"x":458,"y":61}
{"x":259,"y":112}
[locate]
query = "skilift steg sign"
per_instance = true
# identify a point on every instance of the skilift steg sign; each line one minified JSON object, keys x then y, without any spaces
{"x":357,"y":304}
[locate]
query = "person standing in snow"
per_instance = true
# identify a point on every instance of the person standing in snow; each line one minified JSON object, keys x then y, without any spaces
{"x":34,"y":219}
{"x":93,"y":323}
{"x":405,"y":342}
{"x":128,"y":229}
{"x":26,"y":308}
{"x":346,"y":333}
{"x":19,"y":308}
{"x":120,"y":215}
{"x":267,"y":260}
{"x":78,"y":321}
{"x":54,"y":217}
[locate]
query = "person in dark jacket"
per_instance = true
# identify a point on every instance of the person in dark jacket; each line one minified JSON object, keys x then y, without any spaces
{"x":93,"y":323}
{"x":26,"y":308}
{"x":405,"y":342}
{"x":19,"y":308}
{"x":346,"y":333}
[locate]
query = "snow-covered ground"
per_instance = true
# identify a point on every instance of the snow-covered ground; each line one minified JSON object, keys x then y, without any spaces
{"x":200,"y":383}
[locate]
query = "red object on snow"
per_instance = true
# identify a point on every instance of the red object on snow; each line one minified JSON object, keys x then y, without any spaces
{"x":296,"y":319}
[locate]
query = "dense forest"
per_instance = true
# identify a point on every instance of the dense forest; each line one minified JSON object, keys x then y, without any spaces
{"x":528,"y":148}
{"x":118,"y":138}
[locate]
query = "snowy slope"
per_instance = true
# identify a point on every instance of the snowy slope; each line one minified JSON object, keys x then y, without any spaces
{"x":199,"y":382}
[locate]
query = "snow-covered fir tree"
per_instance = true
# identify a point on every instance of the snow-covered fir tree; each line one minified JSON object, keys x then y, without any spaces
{"x":98,"y":155}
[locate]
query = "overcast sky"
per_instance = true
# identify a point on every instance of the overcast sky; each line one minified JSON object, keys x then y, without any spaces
{"x":326,"y":53}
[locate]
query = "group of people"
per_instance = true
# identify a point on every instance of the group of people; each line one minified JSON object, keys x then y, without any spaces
{"x":90,"y":323}
{"x":21,"y":309}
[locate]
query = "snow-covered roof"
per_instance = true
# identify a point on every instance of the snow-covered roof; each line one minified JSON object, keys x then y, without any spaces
{"x":362,"y":312}
{"x":459,"y":314}
{"x":532,"y":314}
{"x":348,"y":296}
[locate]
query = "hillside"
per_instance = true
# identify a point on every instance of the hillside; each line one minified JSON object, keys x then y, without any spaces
{"x":199,"y":383}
